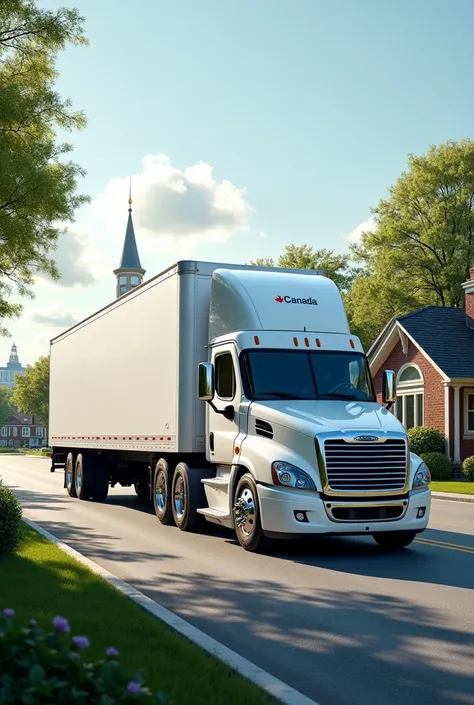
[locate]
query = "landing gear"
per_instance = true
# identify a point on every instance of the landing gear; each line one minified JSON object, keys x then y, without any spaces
{"x":395,"y":540}
{"x":247,"y":524}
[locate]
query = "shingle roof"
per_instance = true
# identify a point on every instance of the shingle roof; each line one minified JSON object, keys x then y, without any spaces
{"x":444,"y":336}
{"x":130,"y":258}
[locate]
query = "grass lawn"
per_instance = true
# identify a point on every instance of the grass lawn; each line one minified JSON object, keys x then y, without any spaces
{"x":40,"y":581}
{"x":456,"y":487}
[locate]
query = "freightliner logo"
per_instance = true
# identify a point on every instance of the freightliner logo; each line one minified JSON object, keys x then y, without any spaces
{"x":292,"y":300}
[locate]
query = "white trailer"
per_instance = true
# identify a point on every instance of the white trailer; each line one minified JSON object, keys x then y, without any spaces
{"x":238,"y":395}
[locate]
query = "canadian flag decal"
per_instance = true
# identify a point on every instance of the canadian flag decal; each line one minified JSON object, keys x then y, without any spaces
{"x":280,"y":299}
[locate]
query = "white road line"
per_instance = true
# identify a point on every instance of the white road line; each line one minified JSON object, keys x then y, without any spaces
{"x":273,"y":686}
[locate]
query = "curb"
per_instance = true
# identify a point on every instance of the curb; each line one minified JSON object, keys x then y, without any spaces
{"x":274,"y":687}
{"x":451,"y":497}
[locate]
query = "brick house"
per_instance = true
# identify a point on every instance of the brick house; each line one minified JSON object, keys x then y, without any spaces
{"x":23,"y":430}
{"x":432,"y":352}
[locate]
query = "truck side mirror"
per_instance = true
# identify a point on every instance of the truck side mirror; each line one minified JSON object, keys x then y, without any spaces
{"x":389,"y":387}
{"x":206,"y":381}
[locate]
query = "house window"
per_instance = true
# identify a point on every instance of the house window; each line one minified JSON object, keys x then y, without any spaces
{"x":14,"y":431}
{"x":39,"y":432}
{"x":409,"y":407}
{"x":134,"y":281}
{"x":469,"y":412}
{"x":4,"y":430}
{"x":25,"y":432}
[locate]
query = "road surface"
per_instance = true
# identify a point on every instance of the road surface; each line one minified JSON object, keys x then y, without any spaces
{"x":338,"y":620}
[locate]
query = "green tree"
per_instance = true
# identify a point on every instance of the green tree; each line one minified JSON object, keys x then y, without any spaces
{"x":38,"y":183}
{"x":337,"y":266}
{"x":31,"y":394}
{"x":423,"y":245}
{"x":6,"y":405}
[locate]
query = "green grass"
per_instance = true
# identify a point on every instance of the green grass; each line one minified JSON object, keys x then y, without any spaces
{"x":40,"y":453}
{"x":40,"y":581}
{"x":453,"y":486}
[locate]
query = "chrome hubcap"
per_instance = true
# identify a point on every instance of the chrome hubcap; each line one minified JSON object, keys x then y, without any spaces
{"x":160,"y":491}
{"x":180,"y":497}
{"x":244,"y":512}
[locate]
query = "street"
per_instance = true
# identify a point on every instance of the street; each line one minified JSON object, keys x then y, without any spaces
{"x":338,"y":620}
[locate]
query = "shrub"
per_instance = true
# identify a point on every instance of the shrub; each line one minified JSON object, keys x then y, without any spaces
{"x":38,"y":667}
{"x":426,"y":439}
{"x":439,"y":465}
{"x":468,"y":468}
{"x":10,"y":520}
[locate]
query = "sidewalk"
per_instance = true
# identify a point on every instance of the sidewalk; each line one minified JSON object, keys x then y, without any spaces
{"x":453,"y":497}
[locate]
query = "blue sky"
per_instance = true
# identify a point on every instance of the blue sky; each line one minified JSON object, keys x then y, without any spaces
{"x":310,"y":106}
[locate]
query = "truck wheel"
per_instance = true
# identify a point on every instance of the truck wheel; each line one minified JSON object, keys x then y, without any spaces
{"x":247,"y":524}
{"x":83,"y":477}
{"x":395,"y":540}
{"x":162,"y":492}
{"x":188,"y":495}
{"x":101,"y":482}
{"x":142,"y":488}
{"x":69,"y":478}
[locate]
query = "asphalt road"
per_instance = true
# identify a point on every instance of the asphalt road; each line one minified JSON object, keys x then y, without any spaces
{"x":338,"y":620}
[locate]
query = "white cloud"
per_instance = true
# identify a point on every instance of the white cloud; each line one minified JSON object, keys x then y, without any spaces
{"x":174,"y":208}
{"x":53,"y":318}
{"x":368,"y":226}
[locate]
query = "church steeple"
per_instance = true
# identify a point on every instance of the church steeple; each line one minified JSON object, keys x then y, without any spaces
{"x":130,"y":272}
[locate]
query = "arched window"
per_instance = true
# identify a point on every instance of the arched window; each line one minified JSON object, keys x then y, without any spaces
{"x":410,"y":403}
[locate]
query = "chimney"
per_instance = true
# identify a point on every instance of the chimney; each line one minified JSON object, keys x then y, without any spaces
{"x":469,"y":304}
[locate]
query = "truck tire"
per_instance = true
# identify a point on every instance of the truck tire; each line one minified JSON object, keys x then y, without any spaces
{"x":394,"y":540}
{"x":247,"y":524}
{"x":162,"y":492}
{"x":101,"y":482}
{"x":187,"y":496}
{"x":84,"y":477}
{"x":69,"y":478}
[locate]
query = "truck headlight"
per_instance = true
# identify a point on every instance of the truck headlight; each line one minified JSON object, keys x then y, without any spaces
{"x":422,"y":477}
{"x":288,"y":475}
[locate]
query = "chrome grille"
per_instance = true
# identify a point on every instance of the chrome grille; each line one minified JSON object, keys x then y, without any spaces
{"x":366,"y":467}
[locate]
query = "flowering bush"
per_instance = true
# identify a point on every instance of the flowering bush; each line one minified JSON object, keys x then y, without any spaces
{"x":39,"y":667}
{"x":10,"y":520}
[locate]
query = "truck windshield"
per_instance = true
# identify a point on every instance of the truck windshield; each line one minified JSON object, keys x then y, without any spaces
{"x":305,"y":374}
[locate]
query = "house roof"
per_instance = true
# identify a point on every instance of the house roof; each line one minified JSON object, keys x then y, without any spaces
{"x":130,"y":258}
{"x":442,"y":334}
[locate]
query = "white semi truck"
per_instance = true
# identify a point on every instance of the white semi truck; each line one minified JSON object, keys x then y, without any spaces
{"x":237,"y":395}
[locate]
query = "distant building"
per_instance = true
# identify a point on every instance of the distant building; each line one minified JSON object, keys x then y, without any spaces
{"x":23,"y":431}
{"x":13,"y":367}
{"x":130,"y":272}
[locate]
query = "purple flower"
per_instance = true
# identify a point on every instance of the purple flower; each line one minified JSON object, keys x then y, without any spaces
{"x":33,"y":623}
{"x":61,"y":624}
{"x":111,"y":652}
{"x":134,"y":687}
{"x":8,"y":613}
{"x":82,"y":642}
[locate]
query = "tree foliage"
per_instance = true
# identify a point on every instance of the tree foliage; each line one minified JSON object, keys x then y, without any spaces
{"x":6,"y":404}
{"x":423,"y":246}
{"x":31,"y":394}
{"x":337,"y":266}
{"x":38,"y":183}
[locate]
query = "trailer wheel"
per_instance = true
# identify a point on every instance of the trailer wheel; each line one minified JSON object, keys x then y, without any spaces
{"x":162,"y":492}
{"x":247,"y":524}
{"x":188,"y":495}
{"x":394,"y":540}
{"x":69,"y":479}
{"x":83,"y":477}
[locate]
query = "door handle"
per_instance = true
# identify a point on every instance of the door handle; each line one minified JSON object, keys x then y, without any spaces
{"x":211,"y":441}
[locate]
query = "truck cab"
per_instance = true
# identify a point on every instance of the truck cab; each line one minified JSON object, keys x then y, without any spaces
{"x":300,"y":444}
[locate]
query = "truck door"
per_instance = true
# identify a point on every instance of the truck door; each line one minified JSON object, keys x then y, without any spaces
{"x":222,"y":431}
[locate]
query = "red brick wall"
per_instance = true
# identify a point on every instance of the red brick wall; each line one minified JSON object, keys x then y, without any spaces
{"x":470,"y":304}
{"x":434,"y":388}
